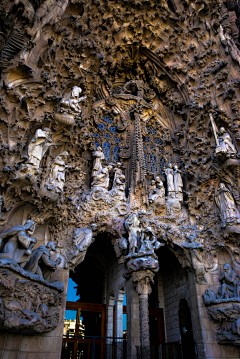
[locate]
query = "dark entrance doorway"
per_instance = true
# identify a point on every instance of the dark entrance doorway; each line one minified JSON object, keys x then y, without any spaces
{"x":185,"y":325}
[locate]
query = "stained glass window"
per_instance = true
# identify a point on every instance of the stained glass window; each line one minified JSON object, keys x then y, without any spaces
{"x":106,"y":135}
{"x":153,"y":150}
{"x":153,"y":162}
{"x":151,"y":130}
{"x":112,"y":129}
{"x":106,"y":150}
{"x":107,"y":119}
{"x":101,"y":126}
{"x":97,"y":144}
{"x":115,"y":154}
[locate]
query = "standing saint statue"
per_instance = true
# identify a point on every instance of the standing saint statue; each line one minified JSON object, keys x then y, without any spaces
{"x":178,"y":183}
{"x":169,"y":175}
{"x":226,"y":204}
{"x":38,"y":146}
{"x":56,"y":178}
{"x":132,"y":225}
{"x":97,"y":163}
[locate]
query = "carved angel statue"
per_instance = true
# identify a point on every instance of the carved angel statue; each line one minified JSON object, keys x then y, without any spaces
{"x":16,"y":243}
{"x":97,"y":163}
{"x":40,"y":262}
{"x":56,"y":179}
{"x":230,"y":281}
{"x":226,"y":204}
{"x":71,"y":104}
{"x":101,"y":181}
{"x":170,"y":182}
{"x":38,"y":146}
{"x":132,"y":225}
{"x":82,"y":239}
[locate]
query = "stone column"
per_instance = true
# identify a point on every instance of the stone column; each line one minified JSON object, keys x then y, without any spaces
{"x":142,"y":281}
{"x":109,"y":341}
{"x":133,"y":327}
{"x":119,"y":325}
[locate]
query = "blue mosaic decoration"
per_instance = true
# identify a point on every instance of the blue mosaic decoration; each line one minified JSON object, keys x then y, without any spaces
{"x":97,"y":144}
{"x":115,"y":154}
{"x":101,"y":126}
{"x":113,"y":129}
{"x":96,"y":135}
{"x":106,"y":135}
{"x":107,"y":119}
{"x":106,"y":150}
{"x":153,"y":162}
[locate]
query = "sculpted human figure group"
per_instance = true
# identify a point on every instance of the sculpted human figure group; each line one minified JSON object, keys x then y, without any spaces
{"x":16,"y":244}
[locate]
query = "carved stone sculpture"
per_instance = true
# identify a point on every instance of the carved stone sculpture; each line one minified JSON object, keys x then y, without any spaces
{"x":17,"y":243}
{"x":226,"y":204}
{"x":28,"y":304}
{"x":40,"y":262}
{"x":178,"y":183}
{"x":132,"y":225}
{"x":82,"y":239}
{"x":197,"y":260}
{"x":97,"y":163}
{"x":170,"y":181}
{"x":56,"y":179}
{"x":101,"y":180}
{"x":38,"y":147}
{"x":71,"y":105}
{"x":49,"y":12}
{"x":230,"y":283}
{"x":225,"y":147}
{"x":149,"y":242}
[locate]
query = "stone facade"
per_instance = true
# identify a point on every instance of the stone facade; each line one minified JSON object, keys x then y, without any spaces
{"x":120,"y":128}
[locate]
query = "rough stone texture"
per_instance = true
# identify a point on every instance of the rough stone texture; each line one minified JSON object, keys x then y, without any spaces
{"x":155,"y":84}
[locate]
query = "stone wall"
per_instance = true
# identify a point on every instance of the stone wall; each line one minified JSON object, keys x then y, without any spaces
{"x":175,"y":288}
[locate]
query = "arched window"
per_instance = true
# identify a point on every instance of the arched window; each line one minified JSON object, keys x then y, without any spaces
{"x":153,"y":150}
{"x":108,"y":138}
{"x":106,"y":150}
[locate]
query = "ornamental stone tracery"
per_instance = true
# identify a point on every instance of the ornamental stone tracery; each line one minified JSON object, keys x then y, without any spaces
{"x":121,"y":112}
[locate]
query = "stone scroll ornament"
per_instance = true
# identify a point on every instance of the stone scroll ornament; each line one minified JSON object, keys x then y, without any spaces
{"x":29,"y":302}
{"x":223,"y":307}
{"x":142,"y":264}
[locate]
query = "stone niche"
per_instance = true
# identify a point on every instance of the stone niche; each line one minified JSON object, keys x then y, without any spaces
{"x":28,"y":303}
